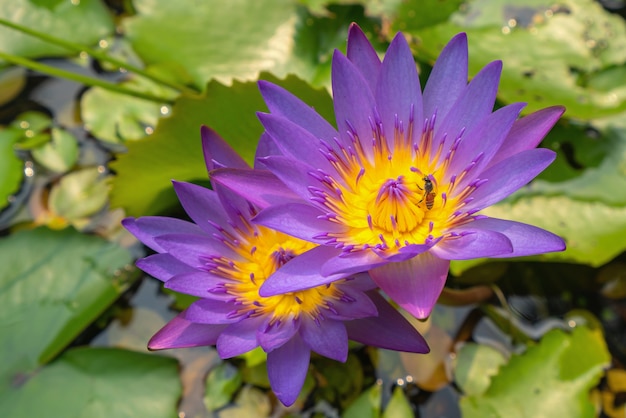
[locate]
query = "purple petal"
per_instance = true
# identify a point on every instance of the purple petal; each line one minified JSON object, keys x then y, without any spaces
{"x":388,"y":330}
{"x":526,"y":239}
{"x":194,"y":250}
{"x":292,"y":173}
{"x":163,"y":266}
{"x":300,"y":273}
{"x":266,"y":147}
{"x":198,"y":283}
{"x":295,"y":141}
{"x":147,"y":228}
{"x":328,"y":338}
{"x":404,"y":253}
{"x":472,"y":243}
{"x":485,"y":139}
{"x":528,"y":132}
{"x":239,"y":338}
{"x":180,"y":333}
{"x":282,"y":103}
{"x":354,"y":103}
{"x":414,"y":284}
{"x":203,"y":206}
{"x":287,"y":367}
{"x":363,"y":55}
{"x":238,"y":209}
{"x":259,"y":187}
{"x":299,"y":220}
{"x":353,"y":304}
{"x":398,"y":92}
{"x":448,"y":79}
{"x":361,"y":281}
{"x":209,"y":311}
{"x":475,"y":104}
{"x":270,"y":337}
{"x":508,"y":176}
{"x":218,"y":153}
{"x":350,"y":263}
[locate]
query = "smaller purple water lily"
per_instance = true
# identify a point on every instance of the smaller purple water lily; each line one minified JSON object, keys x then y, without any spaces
{"x":397,"y":188}
{"x":223,"y":258}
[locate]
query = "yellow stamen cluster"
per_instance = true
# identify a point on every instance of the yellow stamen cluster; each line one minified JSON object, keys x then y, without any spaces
{"x":262,"y":251}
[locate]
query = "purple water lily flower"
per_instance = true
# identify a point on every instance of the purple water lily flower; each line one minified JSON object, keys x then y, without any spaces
{"x":398,"y":187}
{"x":224,"y":259}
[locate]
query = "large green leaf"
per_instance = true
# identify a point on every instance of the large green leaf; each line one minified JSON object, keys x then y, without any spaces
{"x":11,"y":167}
{"x":239,"y":39}
{"x":52,"y":285}
{"x":86,"y":21}
{"x":551,"y":53}
{"x":143,"y":182}
{"x":98,"y":383}
{"x":550,"y":379}
{"x":213,"y":38}
{"x":116,"y":117}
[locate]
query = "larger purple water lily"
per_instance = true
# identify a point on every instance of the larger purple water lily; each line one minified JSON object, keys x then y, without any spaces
{"x":223,"y":258}
{"x":397,"y":188}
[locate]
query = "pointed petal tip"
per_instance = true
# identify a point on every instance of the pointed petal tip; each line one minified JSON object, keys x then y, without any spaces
{"x":129,"y":223}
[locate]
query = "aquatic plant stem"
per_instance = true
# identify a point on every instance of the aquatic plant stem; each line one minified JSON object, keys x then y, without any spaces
{"x":89,"y":81}
{"x":78,"y":48}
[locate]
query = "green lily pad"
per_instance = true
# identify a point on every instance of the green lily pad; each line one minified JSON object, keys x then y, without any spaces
{"x":552,"y":378}
{"x":367,"y":405}
{"x":52,"y":285}
{"x":11,"y":167}
{"x":475,"y":365}
{"x":116,"y":117}
{"x":550,"y":51}
{"x":84,"y":20}
{"x":221,"y":384}
{"x":240,"y":39}
{"x":60,"y":154}
{"x":143,"y":182}
{"x":221,"y":40}
{"x":398,"y":406}
{"x":98,"y":383}
{"x":79,"y":194}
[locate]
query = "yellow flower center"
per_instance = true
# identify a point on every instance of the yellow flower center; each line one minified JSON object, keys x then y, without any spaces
{"x":262,"y":251}
{"x":392,"y":195}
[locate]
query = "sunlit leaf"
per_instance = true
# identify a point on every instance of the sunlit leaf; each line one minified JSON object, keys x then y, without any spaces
{"x":552,"y":378}
{"x":84,"y":21}
{"x":60,"y":154}
{"x":398,"y":406}
{"x":233,"y":45}
{"x":549,"y":51}
{"x":116,"y":117}
{"x":79,"y":194}
{"x":52,"y":285}
{"x":475,"y":366}
{"x":98,"y":383}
